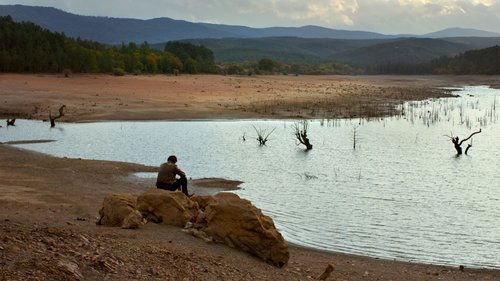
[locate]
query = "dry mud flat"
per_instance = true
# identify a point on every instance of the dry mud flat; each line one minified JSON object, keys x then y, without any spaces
{"x":160,"y":97}
{"x":48,"y":208}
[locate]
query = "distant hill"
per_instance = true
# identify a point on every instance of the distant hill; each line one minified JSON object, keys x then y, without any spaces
{"x":484,"y":62}
{"x":283,"y":49}
{"x":117,"y":30}
{"x":412,"y":50}
{"x":356,"y":52}
{"x":460,"y":32}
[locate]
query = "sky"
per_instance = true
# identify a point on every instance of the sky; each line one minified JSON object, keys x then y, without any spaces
{"x":385,"y":16}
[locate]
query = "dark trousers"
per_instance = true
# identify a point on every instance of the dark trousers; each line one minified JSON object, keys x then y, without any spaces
{"x":179,"y":183}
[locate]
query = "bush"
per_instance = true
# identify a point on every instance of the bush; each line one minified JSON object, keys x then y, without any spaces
{"x":67,"y":72}
{"x":118,"y":71}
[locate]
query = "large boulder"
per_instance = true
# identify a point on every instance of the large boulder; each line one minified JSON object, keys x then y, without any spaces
{"x":237,"y":223}
{"x":172,"y":208}
{"x":116,"y":209}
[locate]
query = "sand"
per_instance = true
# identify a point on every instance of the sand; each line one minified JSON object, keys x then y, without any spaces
{"x":160,"y":97}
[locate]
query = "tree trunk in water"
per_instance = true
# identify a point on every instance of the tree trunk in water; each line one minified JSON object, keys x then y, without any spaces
{"x":458,"y":144}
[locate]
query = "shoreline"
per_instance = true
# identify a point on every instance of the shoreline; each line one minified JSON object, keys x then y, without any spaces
{"x":96,"y":97}
{"x":17,"y":208}
{"x":42,"y":196}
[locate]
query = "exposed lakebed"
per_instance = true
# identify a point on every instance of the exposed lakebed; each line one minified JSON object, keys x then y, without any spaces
{"x":400,"y":194}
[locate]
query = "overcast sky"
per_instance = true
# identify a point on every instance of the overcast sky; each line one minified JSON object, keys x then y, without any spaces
{"x":387,"y":16}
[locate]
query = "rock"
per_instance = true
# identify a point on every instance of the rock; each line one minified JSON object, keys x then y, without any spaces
{"x":199,"y":234}
{"x":172,"y":208}
{"x":71,"y":269}
{"x":239,"y":224}
{"x":203,"y":201}
{"x":116,"y":208}
{"x":328,"y":271}
{"x":133,"y":221}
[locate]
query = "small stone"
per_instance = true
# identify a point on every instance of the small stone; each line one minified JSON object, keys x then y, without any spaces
{"x":327,"y":272}
{"x":71,"y":269}
{"x":461,"y":268}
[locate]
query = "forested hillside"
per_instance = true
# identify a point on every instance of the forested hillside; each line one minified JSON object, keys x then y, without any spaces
{"x":361,"y":53}
{"x":484,"y":61}
{"x":26,"y":47}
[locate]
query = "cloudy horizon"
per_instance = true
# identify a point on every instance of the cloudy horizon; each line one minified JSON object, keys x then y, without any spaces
{"x":384,"y":16}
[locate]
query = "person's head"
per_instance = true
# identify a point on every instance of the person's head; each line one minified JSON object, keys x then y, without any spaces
{"x":172,"y":159}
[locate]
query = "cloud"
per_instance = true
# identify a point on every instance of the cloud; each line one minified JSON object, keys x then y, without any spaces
{"x":390,"y":16}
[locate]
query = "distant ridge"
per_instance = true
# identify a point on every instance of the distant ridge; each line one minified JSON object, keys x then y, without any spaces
{"x":460,"y":32}
{"x":116,"y":30}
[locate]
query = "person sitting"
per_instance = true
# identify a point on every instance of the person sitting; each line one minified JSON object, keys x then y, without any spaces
{"x":167,"y":177}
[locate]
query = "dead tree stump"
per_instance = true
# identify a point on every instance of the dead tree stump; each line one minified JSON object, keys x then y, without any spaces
{"x":54,"y":118}
{"x":457,"y":143}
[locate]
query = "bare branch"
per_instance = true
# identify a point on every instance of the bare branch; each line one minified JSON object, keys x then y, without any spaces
{"x":464,"y":140}
{"x":301,"y":134}
{"x":262,"y":136}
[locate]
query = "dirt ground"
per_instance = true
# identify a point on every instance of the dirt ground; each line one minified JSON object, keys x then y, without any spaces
{"x":159,"y":97}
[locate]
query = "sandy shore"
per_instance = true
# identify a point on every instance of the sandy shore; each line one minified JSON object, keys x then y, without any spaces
{"x":104,"y":97}
{"x":48,"y":205}
{"x":48,"y":208}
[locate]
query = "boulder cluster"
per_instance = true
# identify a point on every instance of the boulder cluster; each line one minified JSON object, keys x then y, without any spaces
{"x":222,"y":218}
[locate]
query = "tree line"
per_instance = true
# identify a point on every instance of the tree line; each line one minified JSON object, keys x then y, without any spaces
{"x":270,"y":66}
{"x":482,"y":62}
{"x":26,"y":47}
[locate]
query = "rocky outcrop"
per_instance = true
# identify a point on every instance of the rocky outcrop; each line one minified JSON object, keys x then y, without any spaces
{"x":223,"y":218}
{"x":172,"y":208}
{"x":116,"y":209}
{"x":236,"y":222}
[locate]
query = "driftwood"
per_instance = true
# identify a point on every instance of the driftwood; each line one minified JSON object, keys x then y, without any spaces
{"x":262,"y":135}
{"x":11,"y":122}
{"x":301,"y":134}
{"x":54,"y":118}
{"x":457,"y":143}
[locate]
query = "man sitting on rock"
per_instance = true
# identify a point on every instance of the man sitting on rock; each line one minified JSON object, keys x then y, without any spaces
{"x":167,"y":177}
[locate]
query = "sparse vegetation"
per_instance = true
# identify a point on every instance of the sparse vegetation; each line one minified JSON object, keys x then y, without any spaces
{"x":300,"y":132}
{"x":263,"y":135}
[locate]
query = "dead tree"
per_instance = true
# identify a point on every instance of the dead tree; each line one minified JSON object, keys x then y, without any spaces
{"x":301,"y":134}
{"x":262,"y":135}
{"x":54,"y":118}
{"x":11,"y":122}
{"x":457,"y":143}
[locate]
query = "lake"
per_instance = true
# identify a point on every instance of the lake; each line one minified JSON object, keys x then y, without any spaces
{"x":402,"y":193}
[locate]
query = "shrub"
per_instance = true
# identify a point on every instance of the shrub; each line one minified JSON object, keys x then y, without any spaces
{"x":67,"y":72}
{"x":118,"y":71}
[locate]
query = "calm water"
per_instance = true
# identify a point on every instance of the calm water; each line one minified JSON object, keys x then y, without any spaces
{"x":401,"y":194}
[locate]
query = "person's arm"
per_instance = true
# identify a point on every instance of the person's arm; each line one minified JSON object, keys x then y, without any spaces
{"x":180,"y":172}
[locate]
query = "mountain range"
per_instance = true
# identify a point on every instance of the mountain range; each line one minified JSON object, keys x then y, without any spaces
{"x":117,"y":30}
